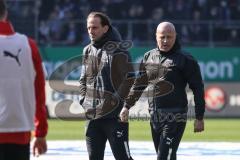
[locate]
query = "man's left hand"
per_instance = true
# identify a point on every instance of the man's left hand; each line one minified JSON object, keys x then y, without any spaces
{"x":198,"y":125}
{"x":39,"y":146}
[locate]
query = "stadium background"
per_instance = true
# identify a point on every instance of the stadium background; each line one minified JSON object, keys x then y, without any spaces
{"x":209,"y":29}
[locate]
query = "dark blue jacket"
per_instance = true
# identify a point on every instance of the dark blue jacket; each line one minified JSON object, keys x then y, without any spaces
{"x":103,"y":81}
{"x":166,"y":75}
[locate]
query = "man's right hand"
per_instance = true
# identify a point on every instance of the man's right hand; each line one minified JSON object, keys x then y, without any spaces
{"x":124,"y":114}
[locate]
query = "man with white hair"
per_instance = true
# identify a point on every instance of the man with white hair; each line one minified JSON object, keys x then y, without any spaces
{"x":166,"y":71}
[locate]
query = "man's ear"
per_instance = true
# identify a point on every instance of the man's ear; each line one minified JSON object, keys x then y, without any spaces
{"x":105,"y":28}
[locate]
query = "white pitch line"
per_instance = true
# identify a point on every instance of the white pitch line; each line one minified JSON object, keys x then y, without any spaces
{"x":75,"y":150}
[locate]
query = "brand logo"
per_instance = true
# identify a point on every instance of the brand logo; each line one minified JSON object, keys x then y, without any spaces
{"x":119,"y":134}
{"x":169,"y":140}
{"x":11,"y":55}
{"x":215,"y":99}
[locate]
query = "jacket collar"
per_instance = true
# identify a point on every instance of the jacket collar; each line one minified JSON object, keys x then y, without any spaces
{"x":6,"y":28}
{"x":111,"y":35}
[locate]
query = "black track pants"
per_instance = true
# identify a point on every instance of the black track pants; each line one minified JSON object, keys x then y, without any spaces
{"x":101,"y":130}
{"x":166,"y":137}
{"x":14,"y":152}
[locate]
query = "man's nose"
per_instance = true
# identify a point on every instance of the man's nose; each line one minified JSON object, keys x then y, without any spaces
{"x":90,"y":31}
{"x":165,"y":40}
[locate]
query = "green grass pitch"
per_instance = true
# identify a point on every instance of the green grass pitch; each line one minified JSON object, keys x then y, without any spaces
{"x":227,"y":130}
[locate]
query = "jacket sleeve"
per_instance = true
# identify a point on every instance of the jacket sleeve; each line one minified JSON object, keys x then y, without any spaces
{"x":122,"y":72}
{"x":138,"y":87}
{"x":194,"y":79}
{"x":82,"y":80}
{"x":41,"y":125}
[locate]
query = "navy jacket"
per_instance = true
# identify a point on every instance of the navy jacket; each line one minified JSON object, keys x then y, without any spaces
{"x":103,"y":82}
{"x":166,"y":76}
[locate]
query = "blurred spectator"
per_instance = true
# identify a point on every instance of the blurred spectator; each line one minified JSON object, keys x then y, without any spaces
{"x":234,"y":6}
{"x":136,"y":11}
{"x":71,"y":36}
{"x":44,"y":32}
{"x":234,"y":37}
{"x":213,"y":14}
{"x":55,"y":24}
{"x":185,"y":35}
{"x":224,"y":11}
{"x":158,"y":14}
{"x":84,"y":7}
{"x":181,"y":10}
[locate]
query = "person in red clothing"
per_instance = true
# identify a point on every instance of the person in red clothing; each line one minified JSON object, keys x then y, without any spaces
{"x":22,"y":94}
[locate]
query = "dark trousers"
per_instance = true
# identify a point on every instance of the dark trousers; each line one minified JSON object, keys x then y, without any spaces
{"x":167,"y":134}
{"x":99,"y":131}
{"x":14,"y":152}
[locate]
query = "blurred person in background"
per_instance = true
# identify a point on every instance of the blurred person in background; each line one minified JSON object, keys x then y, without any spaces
{"x":234,"y":37}
{"x":22,"y":94}
{"x":44,"y":32}
{"x":72,"y":34}
{"x":103,"y":85}
{"x":166,"y":71}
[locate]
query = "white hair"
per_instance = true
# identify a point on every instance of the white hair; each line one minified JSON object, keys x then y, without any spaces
{"x":168,"y":25}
